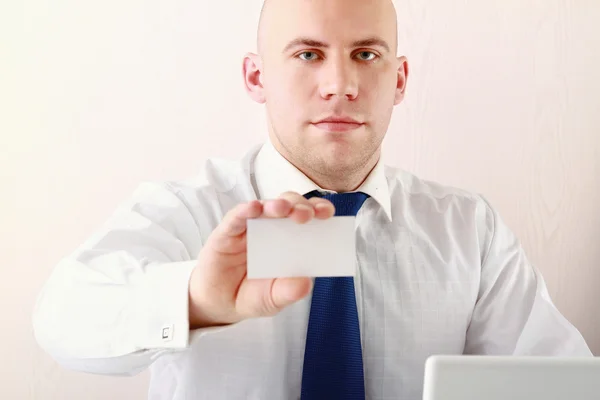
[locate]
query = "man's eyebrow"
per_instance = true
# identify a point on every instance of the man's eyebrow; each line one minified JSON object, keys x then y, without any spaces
{"x":373,"y":41}
{"x":304,"y":41}
{"x":308,"y":42}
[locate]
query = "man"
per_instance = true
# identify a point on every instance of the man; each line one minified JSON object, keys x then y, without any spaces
{"x":438,"y":272}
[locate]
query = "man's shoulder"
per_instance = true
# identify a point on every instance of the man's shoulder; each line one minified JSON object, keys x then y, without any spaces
{"x":218,"y":176}
{"x":437,"y":204}
{"x":411,"y":184}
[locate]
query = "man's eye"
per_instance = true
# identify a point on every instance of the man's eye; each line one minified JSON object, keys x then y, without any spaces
{"x":308,"y":56}
{"x":366,"y":55}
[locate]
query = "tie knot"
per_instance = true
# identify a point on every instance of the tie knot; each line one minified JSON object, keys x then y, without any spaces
{"x":346,"y":204}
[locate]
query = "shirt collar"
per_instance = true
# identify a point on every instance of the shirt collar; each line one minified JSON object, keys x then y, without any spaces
{"x":275,"y":175}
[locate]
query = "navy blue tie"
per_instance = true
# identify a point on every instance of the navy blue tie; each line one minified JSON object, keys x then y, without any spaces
{"x":333,"y":363}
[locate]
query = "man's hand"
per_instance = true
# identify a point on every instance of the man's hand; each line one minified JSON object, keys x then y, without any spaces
{"x":219,"y":292}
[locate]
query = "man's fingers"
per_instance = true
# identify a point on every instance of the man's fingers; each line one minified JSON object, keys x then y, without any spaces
{"x":234,"y":222}
{"x":277,"y":208}
{"x":290,"y":204}
{"x":303,"y":210}
{"x":323,"y":208}
{"x":294,"y":198}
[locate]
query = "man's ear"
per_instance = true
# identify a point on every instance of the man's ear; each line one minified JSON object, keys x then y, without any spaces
{"x":252,"y":71}
{"x":402,"y":77}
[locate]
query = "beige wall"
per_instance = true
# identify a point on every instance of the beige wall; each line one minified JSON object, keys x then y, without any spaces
{"x":503,"y":99}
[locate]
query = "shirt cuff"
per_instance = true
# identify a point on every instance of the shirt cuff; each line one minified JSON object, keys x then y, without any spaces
{"x":159,"y":315}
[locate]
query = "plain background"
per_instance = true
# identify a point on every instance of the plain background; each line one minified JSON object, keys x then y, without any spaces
{"x":95,"y":97}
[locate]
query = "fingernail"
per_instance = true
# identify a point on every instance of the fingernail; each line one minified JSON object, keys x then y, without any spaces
{"x":321,"y":206}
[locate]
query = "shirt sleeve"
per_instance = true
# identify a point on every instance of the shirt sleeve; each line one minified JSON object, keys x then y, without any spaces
{"x":121,"y":299}
{"x":514,"y":314}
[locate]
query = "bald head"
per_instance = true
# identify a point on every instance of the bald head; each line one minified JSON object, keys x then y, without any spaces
{"x":278,"y":16}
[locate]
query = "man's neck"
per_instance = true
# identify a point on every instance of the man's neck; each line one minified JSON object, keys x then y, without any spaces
{"x":340,"y":182}
{"x":348,"y":181}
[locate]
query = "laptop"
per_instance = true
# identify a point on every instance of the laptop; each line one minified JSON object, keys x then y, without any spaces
{"x":511,"y":378}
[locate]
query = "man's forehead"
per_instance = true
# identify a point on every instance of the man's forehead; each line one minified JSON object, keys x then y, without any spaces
{"x":330,"y":22}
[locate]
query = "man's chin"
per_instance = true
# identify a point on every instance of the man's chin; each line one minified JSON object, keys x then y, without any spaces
{"x":337,"y":161}
{"x":340,"y":152}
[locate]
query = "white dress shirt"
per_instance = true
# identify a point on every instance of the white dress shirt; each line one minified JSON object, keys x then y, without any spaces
{"x":438,"y":272}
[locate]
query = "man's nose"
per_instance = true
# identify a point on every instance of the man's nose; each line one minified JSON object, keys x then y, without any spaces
{"x":339,"y":79}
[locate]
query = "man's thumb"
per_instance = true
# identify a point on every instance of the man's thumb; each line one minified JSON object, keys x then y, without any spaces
{"x":286,"y":291}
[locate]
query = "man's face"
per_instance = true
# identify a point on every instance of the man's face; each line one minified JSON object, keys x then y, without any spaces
{"x":331,"y":79}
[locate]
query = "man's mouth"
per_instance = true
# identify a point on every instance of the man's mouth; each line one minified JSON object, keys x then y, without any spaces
{"x":338,"y":124}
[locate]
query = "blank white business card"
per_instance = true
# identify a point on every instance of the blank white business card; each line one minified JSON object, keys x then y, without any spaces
{"x":280,"y":247}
